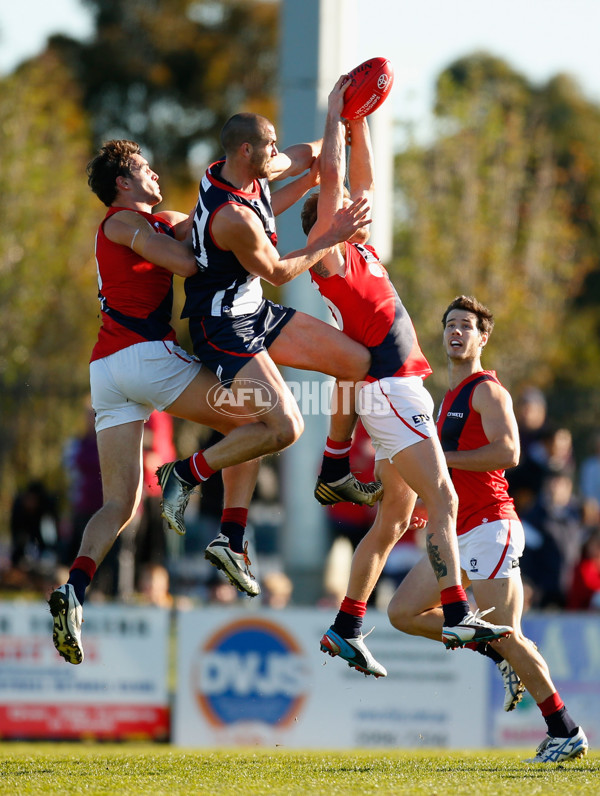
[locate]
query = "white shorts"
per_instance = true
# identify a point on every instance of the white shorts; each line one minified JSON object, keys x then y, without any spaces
{"x":492,"y":550}
{"x":397,"y":412}
{"x":129,"y":384}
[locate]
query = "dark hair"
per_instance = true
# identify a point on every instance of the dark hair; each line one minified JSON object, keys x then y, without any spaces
{"x":113,"y":160}
{"x":308,"y":216}
{"x":485,"y":319}
{"x":241,"y":129}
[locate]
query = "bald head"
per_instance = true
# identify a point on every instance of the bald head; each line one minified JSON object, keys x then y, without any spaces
{"x":245,"y":128}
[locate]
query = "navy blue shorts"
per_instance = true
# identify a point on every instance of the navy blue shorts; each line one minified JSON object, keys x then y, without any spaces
{"x":225,"y":344}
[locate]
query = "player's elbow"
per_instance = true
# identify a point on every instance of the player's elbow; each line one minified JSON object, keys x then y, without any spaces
{"x":278,"y":277}
{"x":187,"y":267}
{"x":510,"y":456}
{"x":512,"y":459}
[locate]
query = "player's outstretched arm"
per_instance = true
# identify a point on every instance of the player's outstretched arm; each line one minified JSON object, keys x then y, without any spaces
{"x":241,"y":231}
{"x":294,"y":160}
{"x":287,"y":195}
{"x":360,"y":162}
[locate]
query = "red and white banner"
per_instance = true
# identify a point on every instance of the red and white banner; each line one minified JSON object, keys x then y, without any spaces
{"x":118,"y":692}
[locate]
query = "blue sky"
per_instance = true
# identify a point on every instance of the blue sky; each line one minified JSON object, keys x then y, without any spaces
{"x":538,"y":37}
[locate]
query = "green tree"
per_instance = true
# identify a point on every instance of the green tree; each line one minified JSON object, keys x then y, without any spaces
{"x":168,"y":73}
{"x":47,"y":273}
{"x":501,"y":205}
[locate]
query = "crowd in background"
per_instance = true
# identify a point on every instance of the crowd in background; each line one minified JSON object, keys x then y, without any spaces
{"x":557,"y":498}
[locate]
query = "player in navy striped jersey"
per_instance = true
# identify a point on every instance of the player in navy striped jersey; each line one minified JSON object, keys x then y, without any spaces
{"x":242,"y":336}
{"x":480,"y":438}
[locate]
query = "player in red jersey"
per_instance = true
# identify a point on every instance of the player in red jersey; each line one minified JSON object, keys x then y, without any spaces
{"x":137,"y":366}
{"x":395,"y":408}
{"x":480,"y":438}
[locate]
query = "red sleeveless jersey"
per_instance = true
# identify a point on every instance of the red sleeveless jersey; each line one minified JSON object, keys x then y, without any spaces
{"x":482,"y":497}
{"x":136,"y":296}
{"x":368,"y":309}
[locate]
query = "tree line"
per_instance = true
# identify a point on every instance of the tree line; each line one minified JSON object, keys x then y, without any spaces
{"x":502,"y":202}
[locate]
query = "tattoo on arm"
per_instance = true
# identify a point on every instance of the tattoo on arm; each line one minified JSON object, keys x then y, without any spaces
{"x":440,"y":569}
{"x":320,"y":270}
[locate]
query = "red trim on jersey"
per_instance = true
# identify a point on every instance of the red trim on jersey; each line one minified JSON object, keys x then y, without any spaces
{"x":212,"y":219}
{"x":226,"y":186}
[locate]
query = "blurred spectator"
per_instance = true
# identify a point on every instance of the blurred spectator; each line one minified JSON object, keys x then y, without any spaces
{"x":525,"y":480}
{"x":33,"y":528}
{"x":265,"y":513}
{"x":150,"y":537}
{"x":589,"y":484}
{"x":348,"y":523}
{"x":348,"y":519}
{"x":82,"y":468}
{"x":277,"y":590}
{"x":551,"y":452}
{"x":219,"y":591}
{"x":554,"y":535}
{"x":530,"y":411}
{"x":584,"y":593}
{"x":153,"y":585}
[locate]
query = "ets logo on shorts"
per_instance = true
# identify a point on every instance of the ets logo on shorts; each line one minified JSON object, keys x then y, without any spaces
{"x":419,"y":419}
{"x":250,"y":671}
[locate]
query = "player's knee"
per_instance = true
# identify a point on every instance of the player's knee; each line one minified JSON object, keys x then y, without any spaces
{"x":287,"y":428}
{"x":355,"y":365}
{"x":442,"y":504}
{"x":399,"y":617}
{"x":361,"y":364}
{"x":118,"y":511}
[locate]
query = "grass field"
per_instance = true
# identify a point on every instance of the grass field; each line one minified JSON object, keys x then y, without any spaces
{"x":90,"y":769}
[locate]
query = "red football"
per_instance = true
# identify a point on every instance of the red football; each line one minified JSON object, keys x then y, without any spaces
{"x":370,"y":83}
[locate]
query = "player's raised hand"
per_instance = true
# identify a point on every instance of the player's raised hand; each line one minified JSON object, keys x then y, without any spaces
{"x":335,"y":102}
{"x":347,"y":220}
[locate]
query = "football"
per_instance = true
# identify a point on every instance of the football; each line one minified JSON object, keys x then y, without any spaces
{"x":370,"y":84}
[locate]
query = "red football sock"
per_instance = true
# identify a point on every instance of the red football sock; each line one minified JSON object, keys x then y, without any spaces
{"x":336,"y":460}
{"x":551,"y":704}
{"x":85,"y":564}
{"x":233,"y":526}
{"x":237,"y":515}
{"x":337,"y":450}
{"x":453,"y":594}
{"x":201,"y":470}
{"x":353,"y":607}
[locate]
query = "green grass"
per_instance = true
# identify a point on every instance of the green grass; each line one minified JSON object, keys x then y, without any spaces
{"x":47,"y":768}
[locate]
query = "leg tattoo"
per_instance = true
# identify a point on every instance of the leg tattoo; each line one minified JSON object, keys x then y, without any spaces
{"x":440,"y":568}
